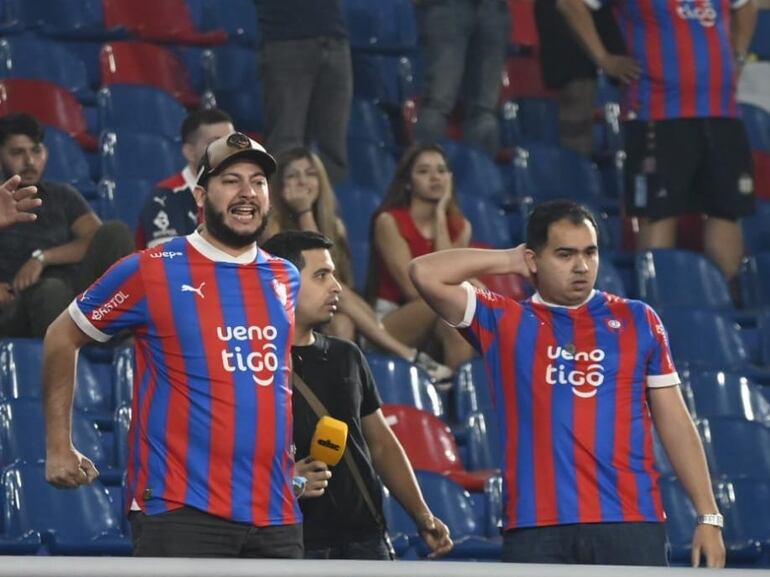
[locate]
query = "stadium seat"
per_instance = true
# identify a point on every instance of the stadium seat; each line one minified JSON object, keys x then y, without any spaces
{"x":50,"y":103}
{"x":680,"y":520}
{"x":81,"y":522}
{"x":609,"y":280}
{"x":538,"y":120}
{"x":722,"y":394}
{"x":746,"y":530}
{"x":522,"y":78}
{"x":399,"y":382}
{"x":386,"y":79}
{"x":735,"y":446}
{"x":454,"y":506}
{"x":370,"y":165}
{"x":135,"y":155}
{"x":123,"y":374}
{"x":68,"y":163}
{"x":123,"y":199}
{"x":356,"y":205}
{"x":471,"y":392}
{"x":383,"y":26}
{"x":168,"y":21}
{"x":137,"y":108}
{"x":757,"y":122}
{"x":124,"y":62}
{"x":483,"y":441}
{"x":760,"y":43}
{"x":430,"y":445}
{"x":30,"y":56}
{"x":237,"y":17}
{"x":22,"y":437}
{"x":234,"y":76}
{"x":488,"y":221}
{"x":755,"y":280}
{"x":121,"y":428}
{"x":369,"y":122}
{"x":523,"y":29}
{"x":756,"y":229}
{"x":71,"y":19}
{"x":473,"y":171}
{"x":401,"y":529}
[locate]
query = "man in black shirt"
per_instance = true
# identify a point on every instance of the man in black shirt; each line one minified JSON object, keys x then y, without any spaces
{"x":46,"y":262}
{"x":339,"y":524}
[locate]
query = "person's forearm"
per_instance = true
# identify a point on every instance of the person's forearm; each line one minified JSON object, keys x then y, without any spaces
{"x":578,"y":15}
{"x":69,"y":253}
{"x":59,"y":361}
{"x":685,"y":451}
{"x":455,"y":266}
{"x":394,"y":468}
{"x":744,"y":21}
{"x":443,"y":240}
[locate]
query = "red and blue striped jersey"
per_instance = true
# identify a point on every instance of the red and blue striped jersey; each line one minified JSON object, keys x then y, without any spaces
{"x":570,"y":387}
{"x":683,"y":47}
{"x":212,"y":418}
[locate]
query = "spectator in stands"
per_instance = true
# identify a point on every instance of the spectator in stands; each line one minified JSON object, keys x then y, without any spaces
{"x":307,"y":78}
{"x":46,"y":262}
{"x":170,"y":209}
{"x":418,"y":215}
{"x":568,"y":70}
{"x":579,"y":376}
{"x":213,"y":317}
{"x":686,"y":150}
{"x":17,"y":204}
{"x":303,"y":199}
{"x":464,"y":43}
{"x":344,"y":522}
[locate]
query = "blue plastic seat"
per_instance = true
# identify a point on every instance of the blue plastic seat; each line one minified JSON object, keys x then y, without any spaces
{"x":401,"y":528}
{"x":400,"y":382}
{"x":125,"y":198}
{"x":121,"y":428}
{"x":369,"y":122}
{"x":538,"y":120}
{"x":383,"y":26}
{"x":383,"y":78}
{"x":760,"y":43}
{"x":756,"y":228}
{"x":483,"y":440}
{"x":471,"y":390}
{"x":356,"y":206}
{"x":237,"y":17}
{"x":370,"y":165}
{"x":474,"y":172}
{"x":755,"y":280}
{"x":70,"y":19}
{"x":747,"y":531}
{"x":609,"y":280}
{"x":68,"y":163}
{"x":234,"y":75}
{"x":489,"y":222}
{"x":736,"y":447}
{"x":138,"y":155}
{"x":722,"y":394}
{"x":30,"y":56}
{"x":680,"y":520}
{"x":123,"y":375}
{"x":137,"y":108}
{"x":81,"y":522}
{"x":757,"y":123}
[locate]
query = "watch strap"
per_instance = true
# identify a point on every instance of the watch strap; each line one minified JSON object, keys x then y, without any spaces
{"x":714,"y":519}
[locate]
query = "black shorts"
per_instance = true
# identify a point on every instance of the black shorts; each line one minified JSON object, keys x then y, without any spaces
{"x":188,"y":532}
{"x":688,"y":165}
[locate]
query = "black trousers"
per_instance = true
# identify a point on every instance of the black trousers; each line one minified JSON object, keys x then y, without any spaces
{"x":188,"y":532}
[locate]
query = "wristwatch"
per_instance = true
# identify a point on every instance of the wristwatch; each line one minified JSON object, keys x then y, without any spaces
{"x":714,"y":519}
{"x":37,"y":254}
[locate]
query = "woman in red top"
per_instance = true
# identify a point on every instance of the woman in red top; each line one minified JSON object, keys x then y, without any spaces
{"x":418,"y":215}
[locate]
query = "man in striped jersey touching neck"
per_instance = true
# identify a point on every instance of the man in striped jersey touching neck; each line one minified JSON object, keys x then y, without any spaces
{"x":210,"y":463}
{"x":579,"y":377}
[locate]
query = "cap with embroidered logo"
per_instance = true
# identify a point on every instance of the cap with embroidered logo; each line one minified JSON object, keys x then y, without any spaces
{"x":229,"y":149}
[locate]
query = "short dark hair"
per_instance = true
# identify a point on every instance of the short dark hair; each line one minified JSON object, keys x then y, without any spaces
{"x":546,"y":214}
{"x":20,"y":123}
{"x":197,"y":118}
{"x":290,"y":244}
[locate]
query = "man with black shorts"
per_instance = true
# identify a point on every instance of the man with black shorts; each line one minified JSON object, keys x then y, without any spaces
{"x":686,"y":149}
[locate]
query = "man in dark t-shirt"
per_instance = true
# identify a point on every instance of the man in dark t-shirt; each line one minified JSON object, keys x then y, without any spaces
{"x":339,"y":524}
{"x":46,"y":262}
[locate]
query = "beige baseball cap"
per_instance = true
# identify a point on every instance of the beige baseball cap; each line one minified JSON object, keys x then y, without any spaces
{"x":226,"y":150}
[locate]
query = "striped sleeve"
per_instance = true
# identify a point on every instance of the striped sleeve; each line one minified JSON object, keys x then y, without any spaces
{"x":113,"y":303}
{"x":661,"y":371}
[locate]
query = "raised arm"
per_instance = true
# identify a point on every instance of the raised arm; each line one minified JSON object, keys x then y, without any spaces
{"x":393,"y":466}
{"x":65,"y":467}
{"x":744,"y":21}
{"x":438,"y":276}
{"x":578,"y":15}
{"x":684,"y":449}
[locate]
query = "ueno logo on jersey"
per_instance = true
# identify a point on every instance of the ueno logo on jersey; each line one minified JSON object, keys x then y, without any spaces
{"x":262,"y":364}
{"x":584,"y":379}
{"x":701,"y":10}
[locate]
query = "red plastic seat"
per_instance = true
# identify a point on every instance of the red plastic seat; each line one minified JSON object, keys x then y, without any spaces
{"x":430,"y":445}
{"x":167,"y":21}
{"x":762,"y":174}
{"x":50,"y":103}
{"x":141,"y":63}
{"x":522,"y":78}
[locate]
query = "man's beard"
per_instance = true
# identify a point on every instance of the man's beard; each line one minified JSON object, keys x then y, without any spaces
{"x":215,"y":225}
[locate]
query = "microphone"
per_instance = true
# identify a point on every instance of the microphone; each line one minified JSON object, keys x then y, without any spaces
{"x":329,"y":440}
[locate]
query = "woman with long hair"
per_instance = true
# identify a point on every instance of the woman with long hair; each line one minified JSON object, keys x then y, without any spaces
{"x":302,"y":198}
{"x":419,"y":215}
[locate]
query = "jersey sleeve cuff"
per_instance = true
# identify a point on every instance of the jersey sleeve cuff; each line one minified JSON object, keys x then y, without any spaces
{"x":594,"y":4}
{"x":738,"y":3}
{"x":85,"y":325}
{"x":470,"y":307}
{"x":663,"y":381}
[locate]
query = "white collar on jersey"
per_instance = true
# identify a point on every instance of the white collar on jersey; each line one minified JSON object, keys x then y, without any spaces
{"x":536,"y":298}
{"x":189,"y":178}
{"x":213,"y":253}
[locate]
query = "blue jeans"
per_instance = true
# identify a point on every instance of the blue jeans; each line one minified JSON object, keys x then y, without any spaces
{"x":372,"y":548}
{"x":308,"y":87}
{"x":588,"y":544}
{"x":462,"y":39}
